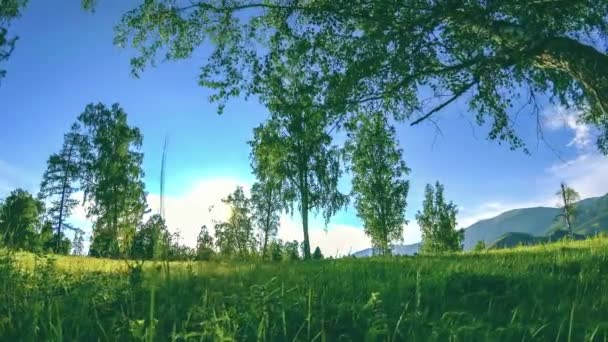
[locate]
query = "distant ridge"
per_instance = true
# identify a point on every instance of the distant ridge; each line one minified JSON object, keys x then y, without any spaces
{"x":539,"y":222}
{"x":510,"y":240}
{"x":525,"y":226}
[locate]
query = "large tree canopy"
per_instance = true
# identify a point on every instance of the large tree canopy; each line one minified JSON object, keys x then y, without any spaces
{"x":20,"y":215}
{"x":495,"y":55}
{"x":294,"y":146}
{"x":378,"y":177}
{"x":9,"y":10}
{"x":112,"y":178}
{"x":60,"y":181}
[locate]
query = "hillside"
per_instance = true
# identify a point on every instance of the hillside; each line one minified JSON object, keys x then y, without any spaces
{"x":533,"y":221}
{"x":592,"y":217}
{"x":510,"y":240}
{"x":525,"y":226}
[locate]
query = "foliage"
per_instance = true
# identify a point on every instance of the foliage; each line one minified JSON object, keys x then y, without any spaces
{"x":60,"y":179}
{"x":543,"y":293}
{"x":276,"y":250}
{"x":78,"y":243}
{"x":53,"y":242}
{"x":20,"y":220}
{"x":511,"y":240}
{"x":437,"y":221}
{"x":204,"y":245}
{"x":291,"y":251}
{"x":317,"y":254}
{"x":9,"y":10}
{"x":378,"y":186}
{"x":535,"y":221}
{"x":567,"y":202}
{"x":591,"y":219}
{"x":234,"y":238}
{"x":266,"y":205}
{"x":294,"y":147}
{"x":498,"y":57}
{"x":152,"y":240}
{"x":179,"y":251}
{"x":112,"y":178}
{"x":480,"y":246}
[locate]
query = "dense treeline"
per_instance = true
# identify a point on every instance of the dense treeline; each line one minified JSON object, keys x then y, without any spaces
{"x":99,"y":167}
{"x":24,"y":226}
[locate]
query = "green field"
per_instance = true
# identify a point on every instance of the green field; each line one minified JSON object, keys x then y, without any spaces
{"x":556,"y":292}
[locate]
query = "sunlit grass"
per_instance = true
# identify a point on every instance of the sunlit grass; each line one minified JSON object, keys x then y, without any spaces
{"x":550,"y":292}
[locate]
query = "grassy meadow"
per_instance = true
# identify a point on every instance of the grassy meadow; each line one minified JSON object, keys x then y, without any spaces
{"x":556,"y":292}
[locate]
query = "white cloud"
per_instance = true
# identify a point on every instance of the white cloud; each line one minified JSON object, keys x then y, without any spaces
{"x":559,"y":117}
{"x":188,"y":212}
{"x":492,"y":209}
{"x":199,"y":206}
{"x":336,"y":240}
{"x":587,"y":174}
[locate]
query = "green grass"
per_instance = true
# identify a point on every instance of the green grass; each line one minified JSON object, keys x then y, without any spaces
{"x":555,"y":292}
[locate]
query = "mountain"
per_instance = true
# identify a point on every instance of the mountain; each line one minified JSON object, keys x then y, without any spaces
{"x":526,"y":226}
{"x":397,"y":250}
{"x":533,"y":221}
{"x":510,"y":240}
{"x":592,"y":217}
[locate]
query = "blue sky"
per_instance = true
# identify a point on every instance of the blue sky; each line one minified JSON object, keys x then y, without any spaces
{"x":65,"y":59}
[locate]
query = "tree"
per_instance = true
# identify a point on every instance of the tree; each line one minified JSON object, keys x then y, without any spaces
{"x":379,"y":188}
{"x":151,"y":241}
{"x":20,"y":220}
{"x":50,"y":241}
{"x":234,"y":238}
{"x":112,"y":178}
{"x":204,"y":245}
{"x":60,"y":179}
{"x":177,"y":250}
{"x":275,"y":250}
{"x":317,"y":255}
{"x":266,"y":205}
{"x":437,"y":220}
{"x":383,"y":53}
{"x":291,"y":251}
{"x":78,"y":244}
{"x":567,"y":202}
{"x":480,"y":246}
{"x":294,"y":147}
{"x":9,"y":10}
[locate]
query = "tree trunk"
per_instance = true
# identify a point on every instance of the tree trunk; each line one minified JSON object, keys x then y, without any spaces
{"x":305,"y":225}
{"x":114,"y":230}
{"x":304,"y":213}
{"x":61,"y":205}
{"x":303,"y":178}
{"x":265,"y":245}
{"x":584,"y":63}
{"x":63,"y":190}
{"x":567,"y":210}
{"x":267,"y":227}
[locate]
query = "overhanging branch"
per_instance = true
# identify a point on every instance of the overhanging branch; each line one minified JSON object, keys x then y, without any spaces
{"x":454,"y":97}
